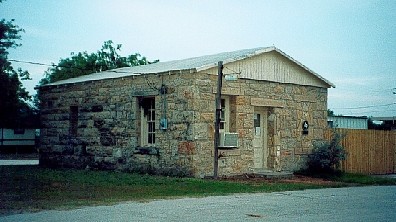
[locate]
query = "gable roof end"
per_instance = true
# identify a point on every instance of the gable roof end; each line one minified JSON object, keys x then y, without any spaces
{"x":259,"y":51}
{"x":304,"y":67}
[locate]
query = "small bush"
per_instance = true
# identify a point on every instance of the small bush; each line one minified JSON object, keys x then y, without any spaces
{"x":326,"y":156}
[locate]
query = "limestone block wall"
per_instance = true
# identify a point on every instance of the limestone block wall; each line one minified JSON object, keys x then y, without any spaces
{"x":108,"y":131}
{"x":288,"y":106}
{"x":108,"y":126}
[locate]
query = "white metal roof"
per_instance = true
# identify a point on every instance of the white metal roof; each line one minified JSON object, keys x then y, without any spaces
{"x":385,"y":118}
{"x":195,"y":64}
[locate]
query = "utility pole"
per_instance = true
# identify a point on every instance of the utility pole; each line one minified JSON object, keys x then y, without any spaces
{"x":217,"y":121}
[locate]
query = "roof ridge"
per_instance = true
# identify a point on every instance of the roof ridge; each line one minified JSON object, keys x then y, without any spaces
{"x":196,"y":64}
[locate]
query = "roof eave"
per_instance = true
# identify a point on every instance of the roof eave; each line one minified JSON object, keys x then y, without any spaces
{"x":330,"y":84}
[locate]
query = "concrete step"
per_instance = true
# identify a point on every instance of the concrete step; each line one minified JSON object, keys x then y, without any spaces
{"x":273,"y":174}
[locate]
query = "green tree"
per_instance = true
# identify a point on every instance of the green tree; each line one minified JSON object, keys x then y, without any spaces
{"x":83,"y":63}
{"x":15,"y":110}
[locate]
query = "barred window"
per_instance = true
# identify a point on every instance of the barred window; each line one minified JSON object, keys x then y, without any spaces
{"x":147,"y":106}
{"x":225,"y":114}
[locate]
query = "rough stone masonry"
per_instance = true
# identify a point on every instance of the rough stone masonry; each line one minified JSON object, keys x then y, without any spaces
{"x":97,"y":124}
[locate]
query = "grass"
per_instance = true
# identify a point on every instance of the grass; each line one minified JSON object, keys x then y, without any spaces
{"x":361,"y":179}
{"x":352,"y":178}
{"x":31,"y":188}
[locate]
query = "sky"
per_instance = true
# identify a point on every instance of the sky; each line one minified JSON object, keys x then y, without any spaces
{"x":351,"y":43}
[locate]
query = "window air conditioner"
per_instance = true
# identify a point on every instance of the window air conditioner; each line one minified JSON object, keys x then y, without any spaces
{"x":228,"y":140}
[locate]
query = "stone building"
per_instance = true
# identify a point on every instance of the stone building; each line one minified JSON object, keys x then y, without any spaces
{"x":161,"y":116}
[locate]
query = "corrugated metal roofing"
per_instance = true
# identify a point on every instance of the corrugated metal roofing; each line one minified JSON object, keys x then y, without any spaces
{"x":388,"y":118}
{"x":195,"y":64}
{"x":348,"y":122}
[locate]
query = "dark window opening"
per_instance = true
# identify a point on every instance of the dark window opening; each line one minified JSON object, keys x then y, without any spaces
{"x":73,"y":120}
{"x":148,"y":120}
{"x":50,"y":104}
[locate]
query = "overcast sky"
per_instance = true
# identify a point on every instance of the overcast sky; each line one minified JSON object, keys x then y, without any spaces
{"x":350,"y":43}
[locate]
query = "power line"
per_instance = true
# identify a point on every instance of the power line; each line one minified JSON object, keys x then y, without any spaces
{"x":370,"y":112}
{"x":53,"y":65}
{"x":60,"y":66}
{"x":116,"y":71}
{"x":365,"y":107}
{"x":232,"y":70}
{"x":32,"y":63}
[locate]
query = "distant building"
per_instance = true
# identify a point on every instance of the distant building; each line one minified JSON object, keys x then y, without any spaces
{"x":17,"y":140}
{"x":388,"y":122}
{"x":348,"y":122}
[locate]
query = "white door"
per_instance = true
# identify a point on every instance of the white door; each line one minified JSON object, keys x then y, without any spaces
{"x":260,"y":139}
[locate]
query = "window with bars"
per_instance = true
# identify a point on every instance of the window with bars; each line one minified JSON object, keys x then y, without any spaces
{"x":147,"y":106}
{"x":225,"y":114}
{"x":151,"y":124}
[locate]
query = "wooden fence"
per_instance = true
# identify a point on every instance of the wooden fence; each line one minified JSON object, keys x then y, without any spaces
{"x":369,"y":151}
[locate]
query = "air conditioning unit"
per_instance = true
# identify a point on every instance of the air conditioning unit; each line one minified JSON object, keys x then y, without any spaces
{"x":228,"y":140}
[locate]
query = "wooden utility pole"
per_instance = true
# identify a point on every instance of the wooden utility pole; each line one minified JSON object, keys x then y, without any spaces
{"x":217,"y":121}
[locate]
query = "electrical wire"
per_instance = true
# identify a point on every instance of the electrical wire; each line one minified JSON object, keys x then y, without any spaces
{"x":231,"y":71}
{"x":32,"y":63}
{"x":372,"y":106}
{"x":59,"y":66}
{"x":151,"y":84}
{"x":369,"y":112}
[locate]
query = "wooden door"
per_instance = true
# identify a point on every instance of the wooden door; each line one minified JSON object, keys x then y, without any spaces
{"x":260,"y":139}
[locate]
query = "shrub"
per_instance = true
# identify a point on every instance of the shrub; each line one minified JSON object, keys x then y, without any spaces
{"x":326,"y":155}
